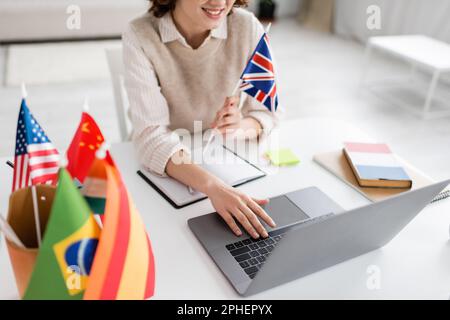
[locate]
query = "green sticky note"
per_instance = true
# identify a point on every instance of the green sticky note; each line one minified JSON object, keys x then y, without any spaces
{"x":282,"y":157}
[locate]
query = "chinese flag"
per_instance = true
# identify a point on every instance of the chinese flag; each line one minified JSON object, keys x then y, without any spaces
{"x":81,"y":153}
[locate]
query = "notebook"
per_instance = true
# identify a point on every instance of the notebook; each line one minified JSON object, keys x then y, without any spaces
{"x":374,"y":165}
{"x":336,"y":163}
{"x":220,"y":161}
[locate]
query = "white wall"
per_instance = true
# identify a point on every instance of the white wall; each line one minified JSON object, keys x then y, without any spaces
{"x":285,"y":8}
{"x":397,"y":17}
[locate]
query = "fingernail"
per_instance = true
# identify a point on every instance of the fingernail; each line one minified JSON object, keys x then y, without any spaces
{"x":255,"y":235}
{"x":238,"y":233}
{"x":265,"y":234}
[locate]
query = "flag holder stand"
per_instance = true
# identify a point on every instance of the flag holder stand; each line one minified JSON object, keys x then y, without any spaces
{"x":21,"y":217}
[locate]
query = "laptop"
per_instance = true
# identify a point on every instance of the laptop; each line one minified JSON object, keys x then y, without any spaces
{"x":313,"y":233}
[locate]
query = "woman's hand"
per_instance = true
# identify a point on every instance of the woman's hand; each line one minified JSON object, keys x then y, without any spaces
{"x":233,"y":205}
{"x":230,"y":203}
{"x":229,"y":118}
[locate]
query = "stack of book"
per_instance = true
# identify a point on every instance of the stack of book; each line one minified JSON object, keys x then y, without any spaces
{"x":374,"y":170}
{"x":374,"y":165}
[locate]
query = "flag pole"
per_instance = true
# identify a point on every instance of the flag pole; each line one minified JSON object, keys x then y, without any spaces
{"x":9,"y":232}
{"x":63,"y":162}
{"x":211,"y":137}
{"x":86,"y":104}
{"x":37,"y":221}
{"x":24,"y":91}
{"x":36,"y":215}
{"x":102,"y":151}
{"x":236,"y":88}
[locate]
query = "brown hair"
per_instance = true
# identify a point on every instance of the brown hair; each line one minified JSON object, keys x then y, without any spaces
{"x":161,"y":7}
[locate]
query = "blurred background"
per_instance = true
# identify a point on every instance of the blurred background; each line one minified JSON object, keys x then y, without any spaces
{"x":57,"y":47}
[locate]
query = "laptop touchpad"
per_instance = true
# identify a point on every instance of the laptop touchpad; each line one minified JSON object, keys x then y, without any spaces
{"x":284,"y":212}
{"x":314,"y":202}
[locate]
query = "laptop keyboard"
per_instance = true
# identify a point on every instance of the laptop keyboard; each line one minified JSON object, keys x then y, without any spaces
{"x":252,"y":253}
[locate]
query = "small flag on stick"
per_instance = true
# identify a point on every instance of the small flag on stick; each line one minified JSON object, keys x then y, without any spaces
{"x":81,"y":153}
{"x":36,"y":160}
{"x":258,"y":79}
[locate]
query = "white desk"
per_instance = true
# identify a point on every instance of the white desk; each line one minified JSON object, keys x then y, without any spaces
{"x":416,"y":264}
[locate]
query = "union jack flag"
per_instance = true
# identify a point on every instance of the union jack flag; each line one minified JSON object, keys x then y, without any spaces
{"x":36,"y":160}
{"x":258,"y":78}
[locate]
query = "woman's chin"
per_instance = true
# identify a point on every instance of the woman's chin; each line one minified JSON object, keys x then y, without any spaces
{"x":212,"y":23}
{"x":209,"y":25}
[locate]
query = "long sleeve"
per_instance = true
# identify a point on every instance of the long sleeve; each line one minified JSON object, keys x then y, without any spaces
{"x":148,"y":111}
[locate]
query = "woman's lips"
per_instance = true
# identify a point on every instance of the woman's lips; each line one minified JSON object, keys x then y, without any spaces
{"x":213,"y":13}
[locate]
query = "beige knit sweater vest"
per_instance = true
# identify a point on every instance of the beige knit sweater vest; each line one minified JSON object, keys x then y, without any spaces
{"x":195,"y":83}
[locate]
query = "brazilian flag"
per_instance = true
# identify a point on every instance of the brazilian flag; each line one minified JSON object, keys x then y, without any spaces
{"x":68,"y":248}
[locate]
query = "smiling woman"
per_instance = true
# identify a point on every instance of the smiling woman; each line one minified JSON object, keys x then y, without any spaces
{"x":161,"y":7}
{"x":182,"y":60}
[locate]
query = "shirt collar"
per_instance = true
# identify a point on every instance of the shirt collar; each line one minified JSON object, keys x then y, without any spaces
{"x":169,"y":32}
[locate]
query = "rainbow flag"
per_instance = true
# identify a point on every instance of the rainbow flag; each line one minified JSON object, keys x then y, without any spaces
{"x":123,"y":266}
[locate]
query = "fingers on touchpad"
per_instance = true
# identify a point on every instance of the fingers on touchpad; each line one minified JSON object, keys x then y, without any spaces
{"x":283,"y":211}
{"x":313,"y":202}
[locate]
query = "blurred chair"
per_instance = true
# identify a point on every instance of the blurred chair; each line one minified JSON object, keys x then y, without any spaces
{"x":116,"y":68}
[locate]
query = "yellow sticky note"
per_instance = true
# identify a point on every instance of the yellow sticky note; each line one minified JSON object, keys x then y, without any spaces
{"x":282,"y":157}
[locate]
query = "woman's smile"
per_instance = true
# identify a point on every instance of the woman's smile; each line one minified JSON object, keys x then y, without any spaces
{"x":213,"y":13}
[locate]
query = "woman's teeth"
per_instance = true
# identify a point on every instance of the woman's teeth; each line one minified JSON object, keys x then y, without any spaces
{"x":213,"y":12}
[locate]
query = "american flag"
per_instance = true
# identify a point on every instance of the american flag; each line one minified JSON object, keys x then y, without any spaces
{"x":258,"y":78}
{"x":36,"y":160}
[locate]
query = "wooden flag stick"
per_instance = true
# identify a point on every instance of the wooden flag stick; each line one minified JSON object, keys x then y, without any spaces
{"x":9,"y":233}
{"x":36,"y":215}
